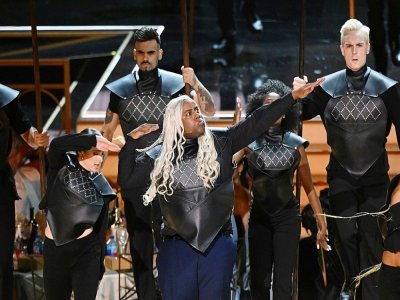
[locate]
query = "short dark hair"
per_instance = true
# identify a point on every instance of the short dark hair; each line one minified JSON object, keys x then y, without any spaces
{"x":256,"y":100}
{"x":145,"y":34}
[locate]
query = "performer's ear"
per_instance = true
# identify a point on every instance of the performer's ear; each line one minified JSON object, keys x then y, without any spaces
{"x":160,"y":54}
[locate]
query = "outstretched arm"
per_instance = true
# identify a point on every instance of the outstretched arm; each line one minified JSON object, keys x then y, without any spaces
{"x":201,"y":95}
{"x":306,"y":179}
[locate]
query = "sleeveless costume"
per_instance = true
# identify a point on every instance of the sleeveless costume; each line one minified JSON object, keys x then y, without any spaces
{"x":11,"y":117}
{"x":74,"y":201}
{"x":357,"y":110}
{"x":274,"y":225}
{"x":140,"y":98}
{"x":196,"y":221}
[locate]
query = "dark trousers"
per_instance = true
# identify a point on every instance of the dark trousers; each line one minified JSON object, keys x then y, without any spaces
{"x":273,"y":242}
{"x":389,"y":283}
{"x":376,"y":21}
{"x":140,"y":222}
{"x":72,"y":267}
{"x":184,"y":273}
{"x":358,"y":241}
{"x":7,"y":234}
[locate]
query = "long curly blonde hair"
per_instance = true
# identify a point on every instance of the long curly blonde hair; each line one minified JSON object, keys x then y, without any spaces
{"x":172,"y":140}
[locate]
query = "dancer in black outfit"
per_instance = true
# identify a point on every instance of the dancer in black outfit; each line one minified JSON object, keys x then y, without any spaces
{"x":76,"y":206}
{"x":136,"y":99}
{"x":192,"y":178}
{"x":274,"y":225}
{"x":11,"y":117}
{"x":358,"y":107}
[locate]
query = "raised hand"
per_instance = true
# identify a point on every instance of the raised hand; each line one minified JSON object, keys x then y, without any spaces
{"x":105,"y":145}
{"x":299,"y":82}
{"x":189,"y":77}
{"x":142,"y":130}
{"x":304,"y":90}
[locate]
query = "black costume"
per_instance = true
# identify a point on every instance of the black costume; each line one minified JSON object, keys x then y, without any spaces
{"x":274,"y":225}
{"x":357,"y":110}
{"x":140,"y":98}
{"x":76,"y":199}
{"x":389,"y":276}
{"x":196,"y":259}
{"x":11,"y":117}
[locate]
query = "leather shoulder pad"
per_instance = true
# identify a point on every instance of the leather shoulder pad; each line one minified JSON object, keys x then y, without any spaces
{"x":377,"y":84}
{"x":171,"y":83}
{"x":257,"y":144}
{"x":335,"y":84}
{"x":292,"y":140}
{"x":154,"y":152}
{"x":124,"y":87}
{"x":7,"y":95}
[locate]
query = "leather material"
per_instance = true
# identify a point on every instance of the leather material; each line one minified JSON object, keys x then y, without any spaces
{"x":271,"y":167}
{"x":7,"y":95}
{"x":140,"y":109}
{"x":356,"y":123}
{"x":336,"y":85}
{"x":74,"y":202}
{"x":188,"y":211}
{"x":198,"y":215}
{"x":126,"y":87}
{"x":136,"y":108}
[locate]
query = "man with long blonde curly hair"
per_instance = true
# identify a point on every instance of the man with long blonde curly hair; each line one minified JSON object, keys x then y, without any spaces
{"x":192,"y":179}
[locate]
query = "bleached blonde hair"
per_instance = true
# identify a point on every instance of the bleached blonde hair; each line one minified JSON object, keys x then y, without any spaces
{"x":172,"y":139}
{"x":354,"y":25}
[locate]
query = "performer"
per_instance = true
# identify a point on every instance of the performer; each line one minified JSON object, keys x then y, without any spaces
{"x":357,"y":107}
{"x":135,"y":99}
{"x":389,"y":274}
{"x":192,"y":178}
{"x":274,"y":224}
{"x":76,"y":206}
{"x":11,"y":117}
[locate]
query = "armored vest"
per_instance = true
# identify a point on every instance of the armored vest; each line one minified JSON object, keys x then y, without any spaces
{"x":194,"y":212}
{"x":271,"y":166}
{"x":75,"y":201}
{"x":356,"y":121}
{"x":136,"y":108}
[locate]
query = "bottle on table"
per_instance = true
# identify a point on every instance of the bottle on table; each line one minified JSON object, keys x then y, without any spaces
{"x":112,"y":247}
